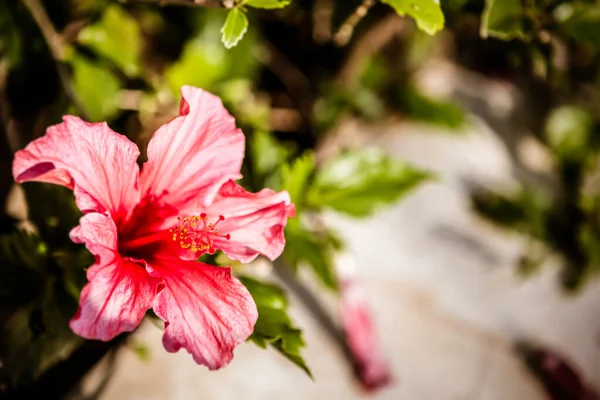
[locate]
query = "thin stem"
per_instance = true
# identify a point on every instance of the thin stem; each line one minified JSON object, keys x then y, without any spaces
{"x":58,"y":50}
{"x":315,"y":307}
{"x":343,"y":35}
{"x":54,"y":40}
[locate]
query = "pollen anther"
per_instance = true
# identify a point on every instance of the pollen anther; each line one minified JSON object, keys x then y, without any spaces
{"x":197,"y":234}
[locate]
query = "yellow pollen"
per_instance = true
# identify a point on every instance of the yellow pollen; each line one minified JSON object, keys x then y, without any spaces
{"x":196,"y":233}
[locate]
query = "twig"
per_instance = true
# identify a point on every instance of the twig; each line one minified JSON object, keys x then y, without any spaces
{"x":295,"y":81}
{"x":322,"y":15}
{"x":343,"y":35}
{"x":371,"y":43}
{"x":54,"y":40}
{"x":314,"y":306}
{"x":188,"y":3}
{"x":58,"y":50}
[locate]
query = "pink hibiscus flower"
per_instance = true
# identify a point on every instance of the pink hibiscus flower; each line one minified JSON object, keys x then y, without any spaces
{"x":147,"y":228}
{"x":370,"y":365}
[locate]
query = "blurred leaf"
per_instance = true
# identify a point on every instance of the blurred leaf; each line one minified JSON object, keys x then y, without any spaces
{"x":99,"y":100}
{"x":53,"y":211}
{"x":427,"y":13}
{"x":525,"y":211}
{"x":295,"y":177}
{"x":267,"y":4}
{"x":307,"y":247}
{"x":266,"y":153}
{"x":206,"y":63}
{"x":237,"y":95}
{"x":22,"y":265}
{"x":443,"y":113}
{"x":274,"y":326}
{"x":142,"y":351}
{"x":580,"y":21}
{"x":359,"y":182}
{"x":198,"y":55}
{"x":235,"y":27}
{"x":37,"y":337}
{"x":503,"y":19}
{"x":368,"y":103}
{"x":568,"y":129}
{"x":117,"y":37}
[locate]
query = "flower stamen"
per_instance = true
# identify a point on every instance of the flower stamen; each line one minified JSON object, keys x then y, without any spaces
{"x":196,"y":233}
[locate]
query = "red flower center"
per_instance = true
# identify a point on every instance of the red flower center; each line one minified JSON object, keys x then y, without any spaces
{"x":196,"y":233}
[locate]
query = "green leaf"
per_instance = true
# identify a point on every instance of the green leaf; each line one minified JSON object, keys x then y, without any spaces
{"x":427,"y":13}
{"x":142,"y":351}
{"x":580,"y":21}
{"x":315,"y":250}
{"x":267,"y":4}
{"x":295,"y":177}
{"x":198,"y":55}
{"x":274,"y":326}
{"x":443,"y":113}
{"x":524,"y":210}
{"x":360,"y":182}
{"x":568,"y":130}
{"x":503,"y":19}
{"x":117,"y":37}
{"x":205,"y":52}
{"x":38,"y":336}
{"x":267,"y":153}
{"x":235,"y":27}
{"x":99,"y":100}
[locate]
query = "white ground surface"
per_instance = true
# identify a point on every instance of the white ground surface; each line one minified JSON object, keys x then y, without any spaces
{"x":447,"y":298}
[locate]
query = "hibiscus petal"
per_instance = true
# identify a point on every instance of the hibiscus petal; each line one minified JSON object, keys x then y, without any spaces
{"x":190,"y":157}
{"x":254,"y":221}
{"x":119,"y":292}
{"x":370,"y":365}
{"x":98,"y":163}
{"x":206,"y":311}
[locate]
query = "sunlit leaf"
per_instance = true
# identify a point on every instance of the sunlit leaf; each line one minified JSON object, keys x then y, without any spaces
{"x":235,"y":27}
{"x":295,"y":177}
{"x":427,"y":13}
{"x":198,"y":54}
{"x":97,"y":88}
{"x":117,"y":37}
{"x":274,"y":327}
{"x":360,"y":182}
{"x":267,"y":153}
{"x":567,"y":130}
{"x":267,"y":4}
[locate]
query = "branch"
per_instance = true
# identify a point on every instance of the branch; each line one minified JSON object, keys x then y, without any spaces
{"x":343,"y":35}
{"x":58,"y":50}
{"x":54,"y":40}
{"x":188,"y":3}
